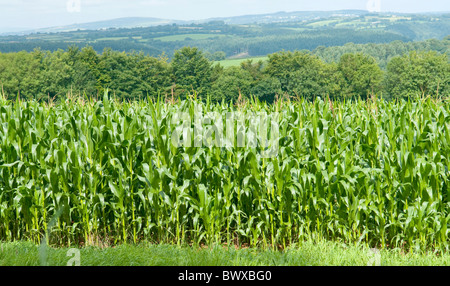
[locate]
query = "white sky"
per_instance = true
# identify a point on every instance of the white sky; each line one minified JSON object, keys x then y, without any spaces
{"x":47,"y":13}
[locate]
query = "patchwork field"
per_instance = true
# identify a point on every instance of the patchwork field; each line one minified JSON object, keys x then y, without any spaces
{"x":188,"y":36}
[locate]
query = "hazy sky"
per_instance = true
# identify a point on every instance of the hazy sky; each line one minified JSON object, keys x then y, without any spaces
{"x":47,"y":13}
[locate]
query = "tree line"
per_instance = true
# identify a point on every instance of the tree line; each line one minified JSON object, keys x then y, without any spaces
{"x":45,"y":75}
{"x":383,"y":52}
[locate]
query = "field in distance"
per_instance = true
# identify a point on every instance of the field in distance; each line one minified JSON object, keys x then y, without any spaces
{"x":237,"y":62}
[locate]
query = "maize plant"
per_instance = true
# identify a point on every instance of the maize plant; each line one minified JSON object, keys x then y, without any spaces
{"x":373,"y":172}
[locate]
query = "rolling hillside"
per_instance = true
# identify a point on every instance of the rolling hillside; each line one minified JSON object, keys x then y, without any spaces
{"x":255,"y":35}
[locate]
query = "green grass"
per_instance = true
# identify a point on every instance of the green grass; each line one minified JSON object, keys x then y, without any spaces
{"x":237,"y":62}
{"x":146,"y":254}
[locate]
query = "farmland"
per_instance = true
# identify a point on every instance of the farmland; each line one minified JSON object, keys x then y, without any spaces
{"x":258,"y":36}
{"x":237,"y":62}
{"x":188,"y":36}
{"x":280,"y":139}
{"x":369,"y":171}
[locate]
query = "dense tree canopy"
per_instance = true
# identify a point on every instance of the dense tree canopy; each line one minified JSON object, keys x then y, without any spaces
{"x":191,"y":70}
{"x":300,"y":73}
{"x":423,"y":73}
{"x":233,"y":82}
{"x":46,"y":75}
{"x":361,"y":75}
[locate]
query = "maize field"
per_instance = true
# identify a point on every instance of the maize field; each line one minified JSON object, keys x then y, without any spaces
{"x":374,"y":172}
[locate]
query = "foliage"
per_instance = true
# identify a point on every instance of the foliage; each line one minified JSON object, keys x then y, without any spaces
{"x":45,"y":75}
{"x":21,"y":74}
{"x":382,"y":52}
{"x":267,"y":89}
{"x":191,"y":70}
{"x":424,"y":73}
{"x":371,"y":171}
{"x":300,"y":73}
{"x":362,"y":76}
{"x":232,"y":83}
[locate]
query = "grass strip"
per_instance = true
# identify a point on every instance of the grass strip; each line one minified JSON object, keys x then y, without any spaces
{"x":145,"y":254}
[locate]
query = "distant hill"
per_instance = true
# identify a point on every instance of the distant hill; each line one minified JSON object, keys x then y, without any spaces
{"x":143,"y":22}
{"x":288,"y":16}
{"x":138,"y":22}
{"x":128,"y":22}
{"x":4,"y":31}
{"x":249,"y":35}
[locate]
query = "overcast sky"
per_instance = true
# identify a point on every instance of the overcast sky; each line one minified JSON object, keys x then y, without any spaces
{"x":48,"y":13}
